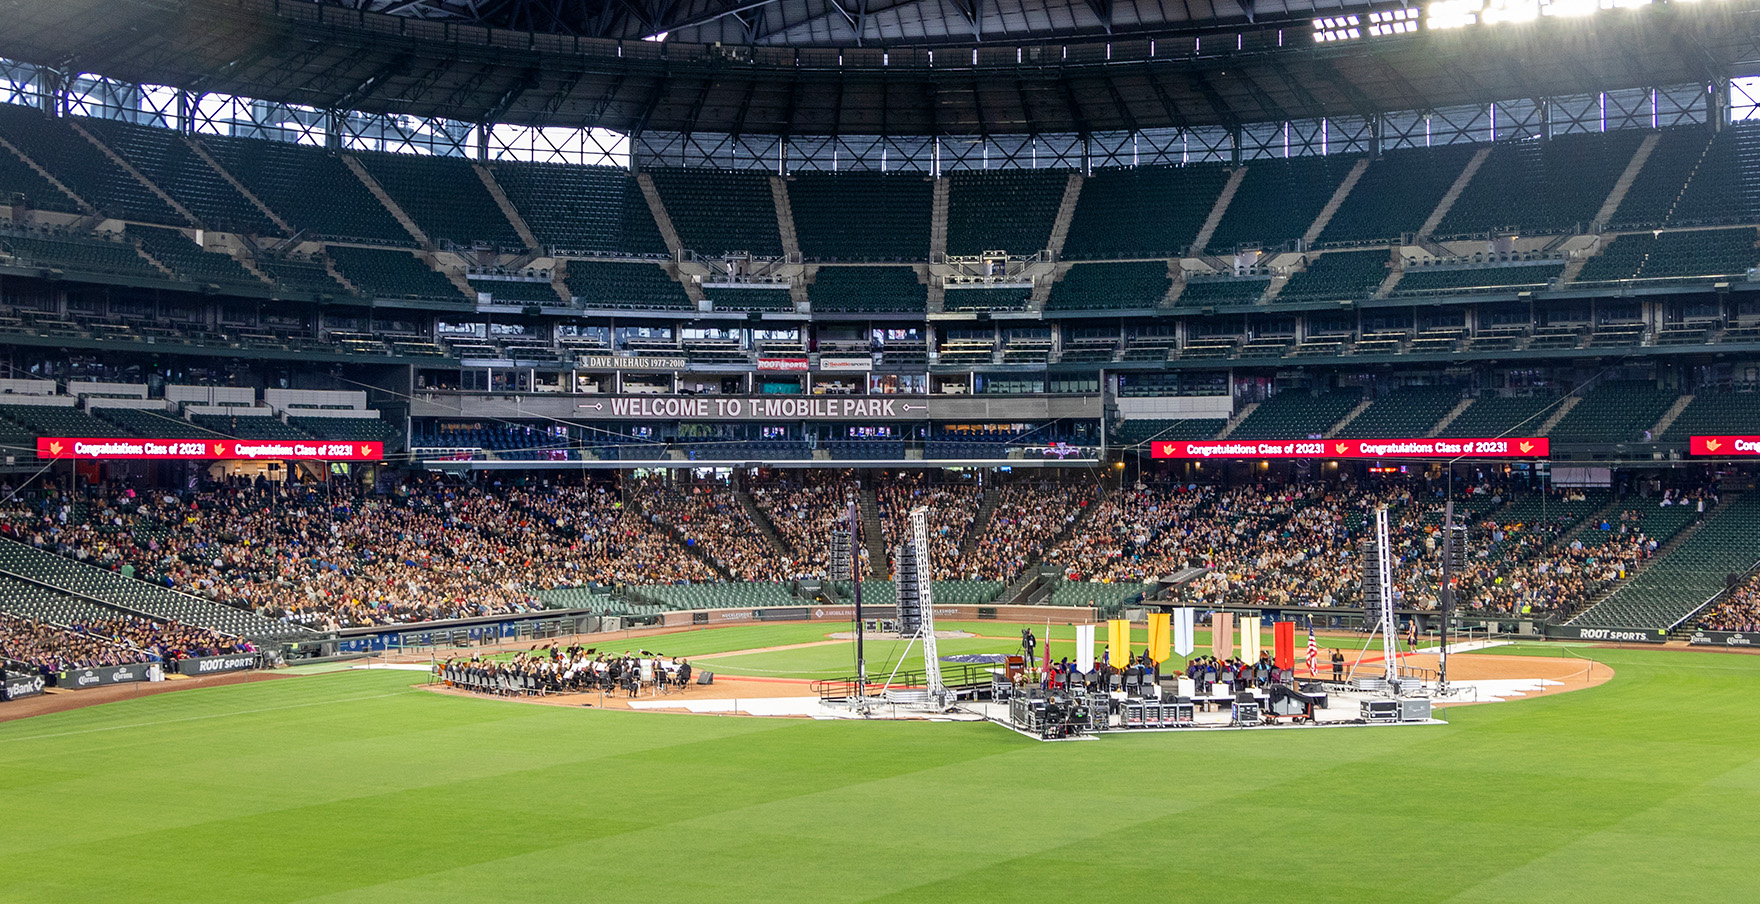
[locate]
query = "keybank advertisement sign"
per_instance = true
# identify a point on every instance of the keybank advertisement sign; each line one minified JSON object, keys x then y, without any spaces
{"x":95,"y":449}
{"x":18,"y":686}
{"x":1724,"y":446}
{"x":1422,"y":447}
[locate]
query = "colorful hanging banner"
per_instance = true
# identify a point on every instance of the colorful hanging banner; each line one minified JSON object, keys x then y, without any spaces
{"x":1184,"y":640}
{"x":1250,"y":638}
{"x":1118,"y":645}
{"x":1283,"y":644}
{"x":1084,"y":648}
{"x":1222,"y":635}
{"x":1158,"y":639}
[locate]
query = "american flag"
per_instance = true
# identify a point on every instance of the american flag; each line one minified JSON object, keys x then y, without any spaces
{"x":1313,"y":650}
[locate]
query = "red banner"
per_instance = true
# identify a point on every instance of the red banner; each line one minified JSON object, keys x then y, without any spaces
{"x":228,"y":449}
{"x":1725,"y":445}
{"x":1509,"y":447}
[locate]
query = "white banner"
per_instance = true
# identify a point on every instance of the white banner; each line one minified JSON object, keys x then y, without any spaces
{"x":1183,"y":639}
{"x":862,"y":362}
{"x":1084,"y":648}
{"x":1250,"y":638}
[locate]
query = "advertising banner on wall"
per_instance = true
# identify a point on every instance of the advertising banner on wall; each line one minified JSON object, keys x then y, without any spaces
{"x":19,"y":686}
{"x":1724,"y":639}
{"x":1509,"y":447}
{"x":1606,"y":635}
{"x":89,"y":449}
{"x":110,"y":674}
{"x":214,"y":665}
{"x":782,"y":363}
{"x":846,"y":362}
{"x":1724,"y":446}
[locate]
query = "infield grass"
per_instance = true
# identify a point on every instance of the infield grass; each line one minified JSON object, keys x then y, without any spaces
{"x":353,"y":787}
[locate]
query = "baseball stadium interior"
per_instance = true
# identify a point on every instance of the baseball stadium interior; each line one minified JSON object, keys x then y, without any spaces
{"x":329,"y":327}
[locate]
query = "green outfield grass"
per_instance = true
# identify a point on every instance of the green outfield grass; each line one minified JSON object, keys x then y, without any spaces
{"x":352,"y":787}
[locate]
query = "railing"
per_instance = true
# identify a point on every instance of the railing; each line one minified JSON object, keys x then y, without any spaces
{"x":953,"y":677}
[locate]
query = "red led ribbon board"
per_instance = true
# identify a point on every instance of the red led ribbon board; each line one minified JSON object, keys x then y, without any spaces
{"x":1508,"y":447}
{"x":101,"y":449}
{"x":1725,"y":446}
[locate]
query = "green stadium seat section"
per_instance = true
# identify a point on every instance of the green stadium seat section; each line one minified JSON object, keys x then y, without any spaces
{"x":1440,"y":280}
{"x":581,"y":209}
{"x":1396,"y":194}
{"x":78,"y":164}
{"x":80,"y":253}
{"x":191,"y":261}
{"x":19,"y":181}
{"x":1725,"y":188}
{"x":1652,"y":195}
{"x":741,"y":299}
{"x":1546,"y":187}
{"x":392,"y":274}
{"x":301,"y":275}
{"x":731,"y":595}
{"x":625,"y":285}
{"x":255,"y":426}
{"x":1185,"y":429}
{"x":1714,"y":412}
{"x":1617,"y":411}
{"x":152,"y":423}
{"x":356,"y":429}
{"x":1221,"y":291}
{"x":1278,"y":200}
{"x":1127,"y":285}
{"x":22,"y":598}
{"x":1337,"y":275}
{"x":113,"y":589}
{"x":1491,"y":416}
{"x":309,"y":188}
{"x":986,"y":299}
{"x":1673,"y":258}
{"x":1103,"y":596}
{"x":1144,"y":211}
{"x":56,"y":420}
{"x":858,"y":289}
{"x":517,"y":291}
{"x":1296,"y":414}
{"x":1003,"y":210}
{"x":862,"y":216}
{"x":164,"y":157}
{"x":1403,"y":413}
{"x":444,"y":197}
{"x":1681,"y":581}
{"x":720,"y":212}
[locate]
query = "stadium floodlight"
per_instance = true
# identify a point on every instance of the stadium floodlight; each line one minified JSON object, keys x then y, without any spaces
{"x":1500,"y":11}
{"x":1453,"y":14}
{"x":1337,"y":28}
{"x":1393,"y":22}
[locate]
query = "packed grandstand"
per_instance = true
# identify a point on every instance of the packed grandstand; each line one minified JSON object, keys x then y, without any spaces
{"x":494,"y":371}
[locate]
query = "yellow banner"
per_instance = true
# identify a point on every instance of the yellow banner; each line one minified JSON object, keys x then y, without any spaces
{"x":1160,"y":644}
{"x":1118,"y":644}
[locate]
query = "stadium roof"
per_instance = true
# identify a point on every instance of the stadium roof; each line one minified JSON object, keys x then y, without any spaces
{"x":329,"y":57}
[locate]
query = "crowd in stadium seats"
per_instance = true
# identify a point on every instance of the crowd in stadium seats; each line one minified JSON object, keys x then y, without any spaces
{"x":711,"y":519}
{"x":951,"y":509}
{"x":51,"y":648}
{"x":1739,"y":611}
{"x":802,"y":507}
{"x":328,"y":556}
{"x":122,"y":640}
{"x":1026,"y":520}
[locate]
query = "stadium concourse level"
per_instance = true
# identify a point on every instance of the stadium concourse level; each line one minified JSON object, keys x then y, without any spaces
{"x":413,"y":228}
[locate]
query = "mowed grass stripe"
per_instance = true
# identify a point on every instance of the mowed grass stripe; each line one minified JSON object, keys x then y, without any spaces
{"x":425,"y":797}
